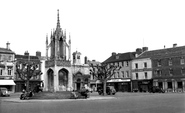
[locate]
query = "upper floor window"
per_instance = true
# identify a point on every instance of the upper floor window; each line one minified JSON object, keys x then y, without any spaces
{"x":118,"y":74}
{"x":9,"y":71}
{"x":182,"y":61}
{"x":136,"y":65}
{"x":1,"y":72}
{"x":117,"y":57}
{"x":136,"y":75}
{"x":10,"y":58}
{"x":127,"y":64}
{"x":123,"y":64}
{"x":145,"y":65}
{"x":171,"y":72}
{"x":127,"y":74}
{"x":158,"y":72}
{"x":146,"y":75}
{"x":122,"y":74}
{"x":183,"y":70}
{"x":159,"y":62}
{"x":78,"y":57}
{"x":170,"y":62}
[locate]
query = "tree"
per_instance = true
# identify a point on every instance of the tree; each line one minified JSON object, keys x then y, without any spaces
{"x":103,"y":72}
{"x":26,"y":70}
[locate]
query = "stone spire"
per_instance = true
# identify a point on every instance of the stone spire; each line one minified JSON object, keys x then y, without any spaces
{"x":58,"y":20}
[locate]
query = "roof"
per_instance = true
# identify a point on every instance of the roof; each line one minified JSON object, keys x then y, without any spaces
{"x":26,"y":57}
{"x":120,"y":57}
{"x":7,"y":51}
{"x":162,"y":53}
{"x":94,"y":63}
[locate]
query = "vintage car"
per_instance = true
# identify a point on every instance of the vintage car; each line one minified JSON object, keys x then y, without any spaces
{"x":156,"y":89}
{"x":4,"y":92}
{"x":110,"y":90}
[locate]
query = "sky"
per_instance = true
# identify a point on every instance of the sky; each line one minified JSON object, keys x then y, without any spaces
{"x":97,"y":27}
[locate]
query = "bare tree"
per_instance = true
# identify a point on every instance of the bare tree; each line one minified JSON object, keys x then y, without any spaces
{"x":26,"y":70}
{"x":103,"y":72}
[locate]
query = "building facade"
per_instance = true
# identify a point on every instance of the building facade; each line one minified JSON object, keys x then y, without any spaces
{"x":34,"y":81}
{"x":7,"y":68}
{"x":121,"y":80}
{"x":169,"y":69}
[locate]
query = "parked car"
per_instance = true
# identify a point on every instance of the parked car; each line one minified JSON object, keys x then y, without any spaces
{"x":4,"y":92}
{"x":156,"y":89}
{"x":110,"y":90}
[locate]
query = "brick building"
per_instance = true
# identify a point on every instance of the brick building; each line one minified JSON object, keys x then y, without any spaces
{"x":20,"y":84}
{"x":169,"y":68}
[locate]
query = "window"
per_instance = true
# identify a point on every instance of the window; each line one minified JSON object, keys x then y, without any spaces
{"x":122,"y":73}
{"x":136,"y":75}
{"x":1,"y":72}
{"x":136,"y":65}
{"x":146,"y":76}
{"x":169,"y":84}
{"x":145,"y":65}
{"x":179,"y":84}
{"x":171,"y":72}
{"x":78,"y":57}
{"x":182,"y":61}
{"x":10,"y":58}
{"x":120,"y":64}
{"x":123,"y":64}
{"x":9,"y":71}
{"x":159,"y":62}
{"x":126,"y":63}
{"x":118,"y":75}
{"x":158,"y":72}
{"x":117,"y":57}
{"x":127,"y":74}
{"x":182,"y":70}
{"x":170,"y":62}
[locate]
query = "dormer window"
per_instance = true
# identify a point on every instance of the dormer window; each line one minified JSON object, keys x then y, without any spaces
{"x":117,"y":57}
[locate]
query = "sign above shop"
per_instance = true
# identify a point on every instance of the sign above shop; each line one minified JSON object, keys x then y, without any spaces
{"x":119,"y":80}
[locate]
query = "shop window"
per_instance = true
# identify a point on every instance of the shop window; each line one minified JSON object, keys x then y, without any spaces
{"x":136,"y":75}
{"x":182,"y":61}
{"x":179,"y":84}
{"x":170,"y":85}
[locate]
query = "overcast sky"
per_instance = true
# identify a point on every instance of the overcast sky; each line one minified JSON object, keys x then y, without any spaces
{"x":97,"y":27}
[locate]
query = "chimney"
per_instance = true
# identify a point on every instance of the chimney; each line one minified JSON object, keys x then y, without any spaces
{"x":113,"y":53}
{"x":138,"y":51}
{"x":38,"y":54}
{"x":85,"y":60}
{"x":145,"y":49}
{"x":175,"y":45}
{"x":8,"y":45}
{"x":26,"y":53}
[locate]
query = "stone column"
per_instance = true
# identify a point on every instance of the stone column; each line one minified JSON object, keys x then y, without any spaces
{"x":55,"y":80}
{"x":70,"y":79}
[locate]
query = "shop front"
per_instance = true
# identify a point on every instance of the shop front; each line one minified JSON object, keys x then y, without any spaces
{"x":171,"y":85}
{"x":142,"y":85}
{"x":121,"y":85}
{"x":9,"y":84}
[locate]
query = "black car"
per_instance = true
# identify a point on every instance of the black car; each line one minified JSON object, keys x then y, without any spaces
{"x":156,"y":89}
{"x":110,"y":90}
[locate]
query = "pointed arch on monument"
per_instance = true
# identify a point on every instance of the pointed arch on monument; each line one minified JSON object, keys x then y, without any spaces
{"x":63,"y":75}
{"x":50,"y":74}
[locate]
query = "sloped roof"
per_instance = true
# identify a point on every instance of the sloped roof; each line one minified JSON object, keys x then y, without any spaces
{"x":162,"y":53}
{"x":4,"y":50}
{"x":120,"y":57}
{"x":26,"y":57}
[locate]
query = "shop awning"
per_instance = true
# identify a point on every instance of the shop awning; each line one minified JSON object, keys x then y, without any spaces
{"x":6,"y":82}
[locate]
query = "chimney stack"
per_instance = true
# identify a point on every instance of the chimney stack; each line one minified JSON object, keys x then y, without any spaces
{"x":85,"y":62}
{"x":113,"y":53}
{"x":8,"y":45}
{"x":38,"y":54}
{"x":26,"y":53}
{"x":175,"y":45}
